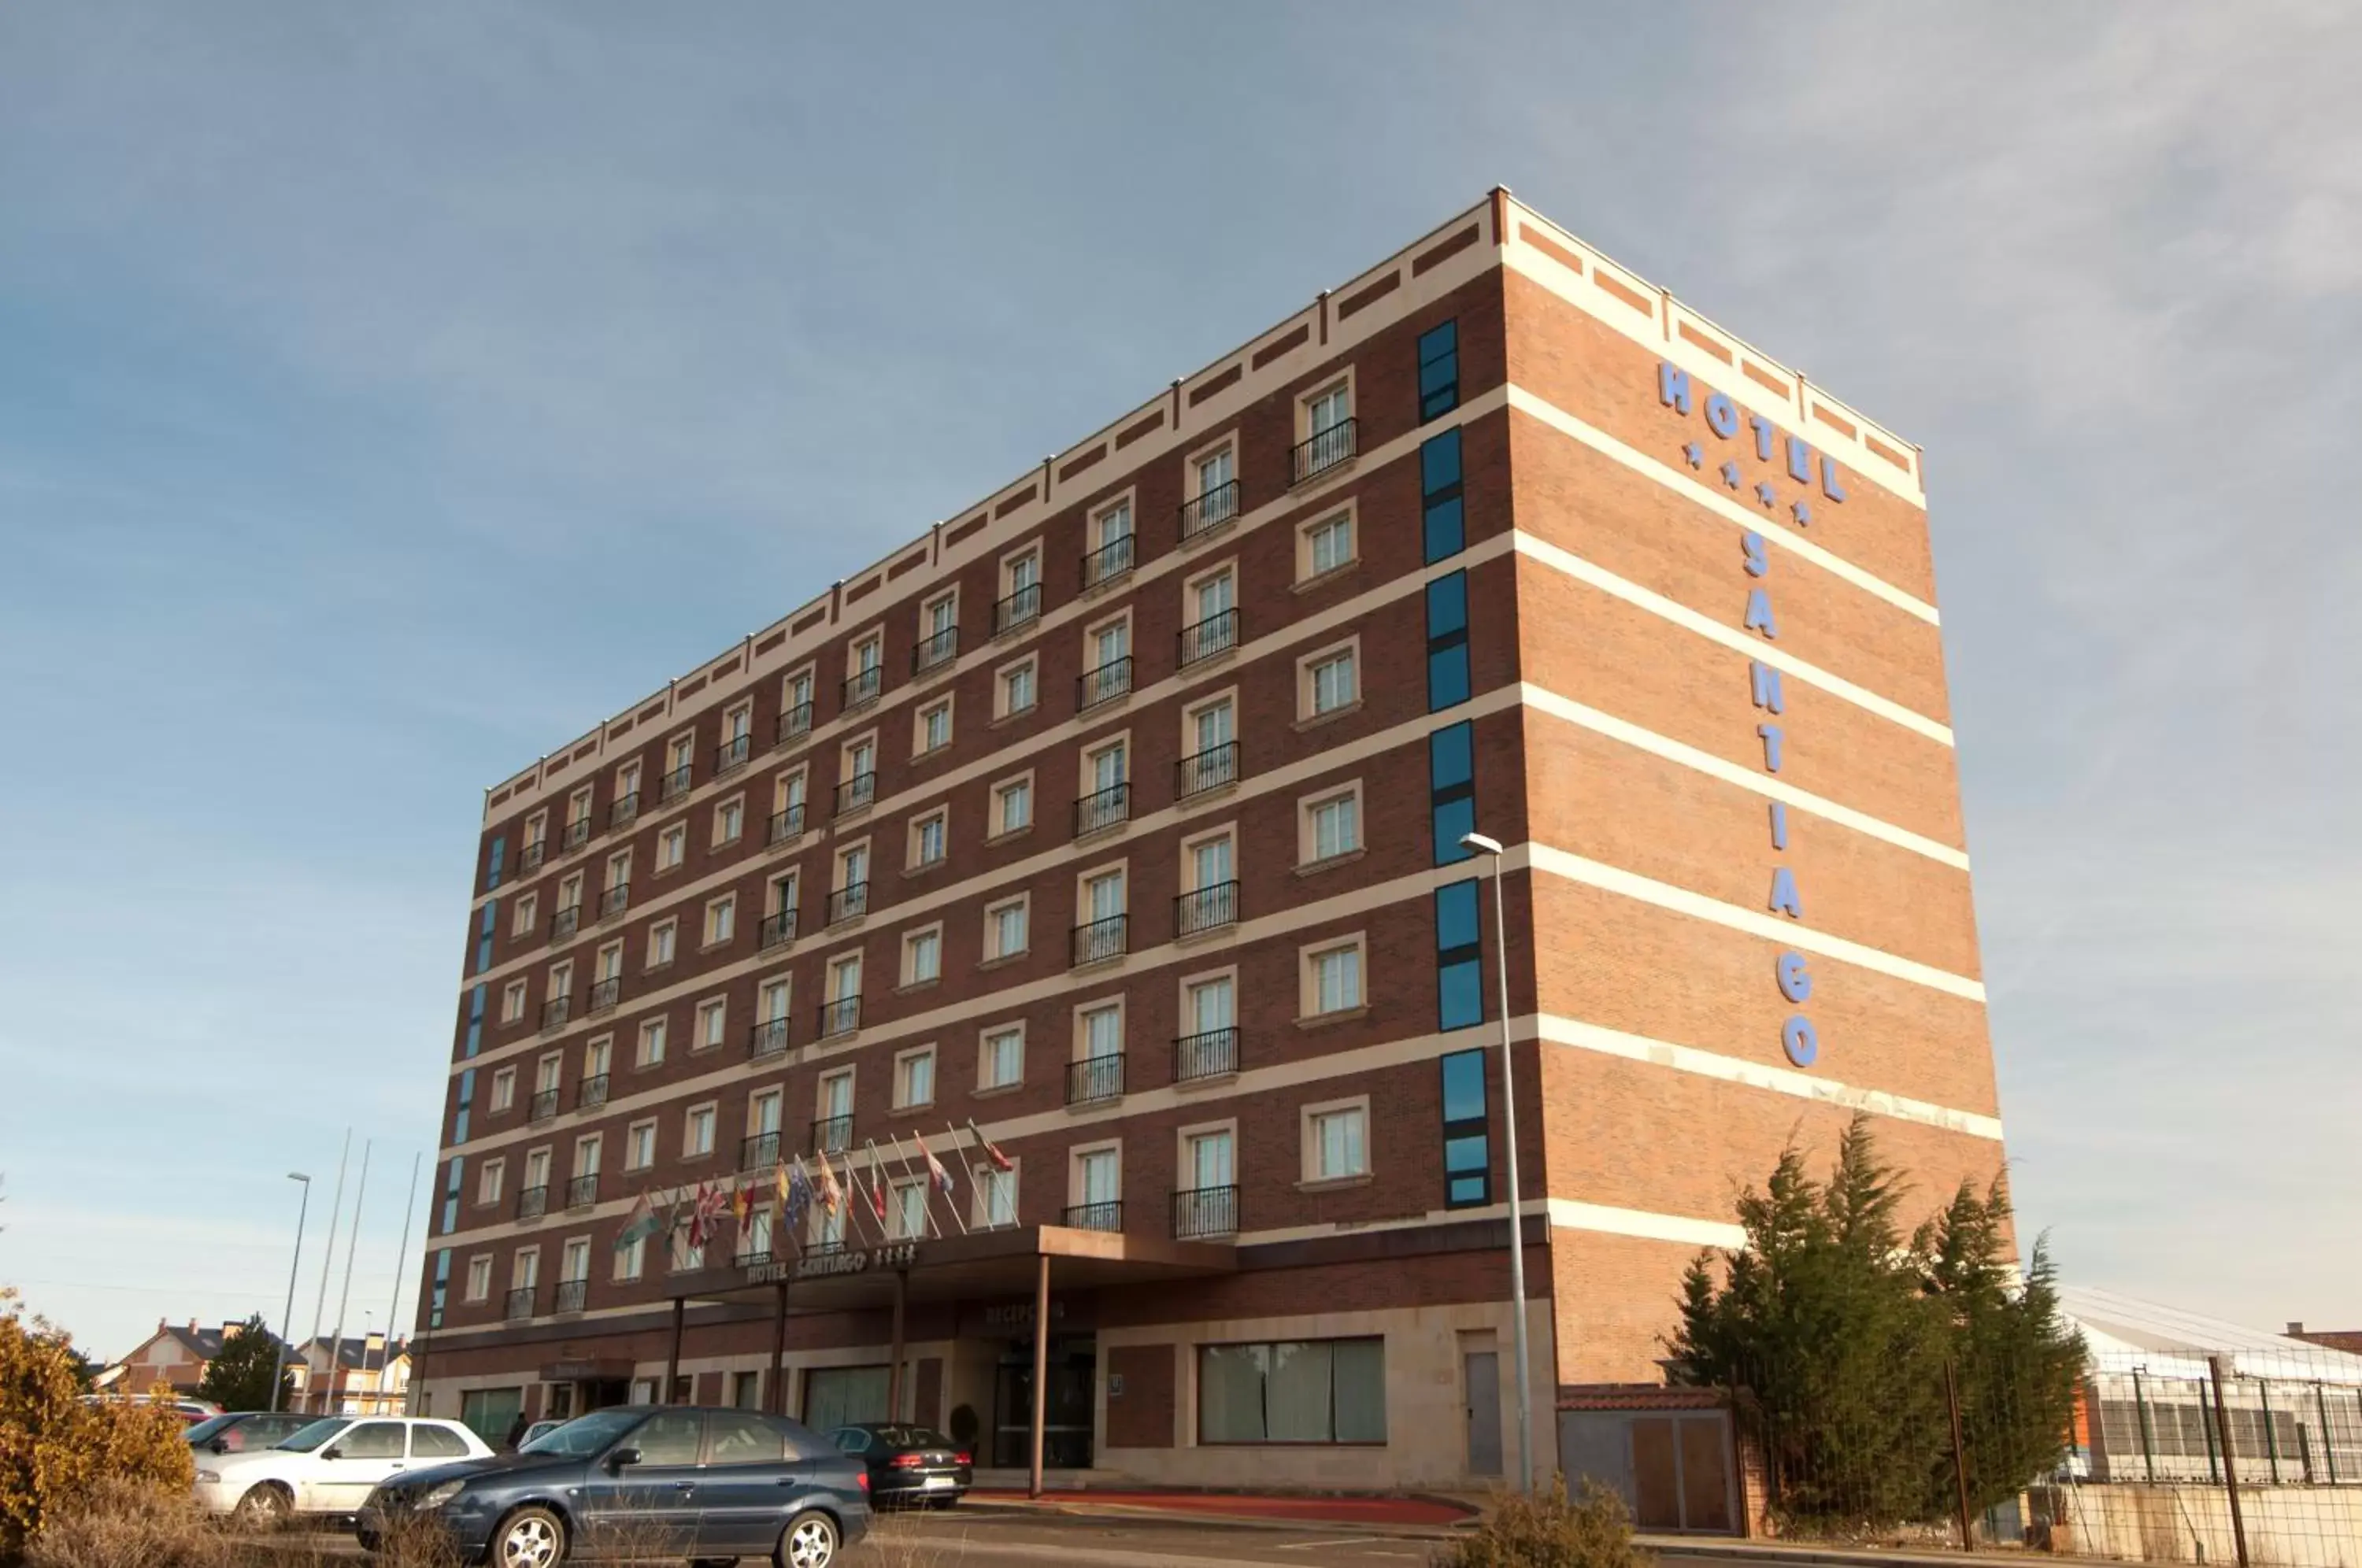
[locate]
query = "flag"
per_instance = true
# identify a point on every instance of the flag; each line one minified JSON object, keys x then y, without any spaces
{"x":876,"y":1184}
{"x":943,"y":1177}
{"x":638,"y":1225}
{"x":697,"y":1211}
{"x":1001,"y":1162}
{"x":742,"y":1205}
{"x":830,"y":1195}
{"x":800,"y":1193}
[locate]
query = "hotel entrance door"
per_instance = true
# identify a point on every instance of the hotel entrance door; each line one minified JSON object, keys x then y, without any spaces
{"x":1066,"y":1422}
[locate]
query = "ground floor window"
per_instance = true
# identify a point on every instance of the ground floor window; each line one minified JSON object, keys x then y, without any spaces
{"x":490,"y":1412}
{"x":839,"y":1396}
{"x":1292,"y":1391}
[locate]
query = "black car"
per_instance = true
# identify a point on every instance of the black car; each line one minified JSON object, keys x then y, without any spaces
{"x":907,"y":1463}
{"x":665,"y":1481}
{"x":243,"y":1429}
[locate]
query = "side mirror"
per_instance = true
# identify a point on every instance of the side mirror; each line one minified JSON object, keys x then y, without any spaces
{"x":220,"y":1445}
{"x":332,"y":1453}
{"x":620,"y":1458}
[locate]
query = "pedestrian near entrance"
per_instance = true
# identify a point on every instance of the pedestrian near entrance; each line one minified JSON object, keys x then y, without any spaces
{"x":517,"y":1430}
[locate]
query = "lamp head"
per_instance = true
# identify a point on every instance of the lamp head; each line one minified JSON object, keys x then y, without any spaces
{"x":299,"y":1175}
{"x":1480,"y":844}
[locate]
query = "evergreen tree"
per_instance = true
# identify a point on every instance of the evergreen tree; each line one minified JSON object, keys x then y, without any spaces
{"x":240,"y":1377}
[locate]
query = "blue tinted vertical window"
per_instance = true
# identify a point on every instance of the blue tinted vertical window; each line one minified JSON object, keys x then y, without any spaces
{"x":467,"y":1100}
{"x":485,"y":934}
{"x":493,"y":864}
{"x":1459,"y":957}
{"x":1467,"y":1144}
{"x":1447,"y":641}
{"x":442,"y":1287}
{"x":1452,"y":789}
{"x":1444,"y":533}
{"x":1439,"y":371}
{"x":452,"y":1195}
{"x":1458,"y":922}
{"x":475,"y":1041}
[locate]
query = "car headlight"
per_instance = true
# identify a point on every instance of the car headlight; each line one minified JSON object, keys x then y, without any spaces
{"x":442,"y":1492}
{"x":208,"y":1477}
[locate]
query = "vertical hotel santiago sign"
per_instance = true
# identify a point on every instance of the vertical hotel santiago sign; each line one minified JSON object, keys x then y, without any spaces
{"x":1798,"y":1038}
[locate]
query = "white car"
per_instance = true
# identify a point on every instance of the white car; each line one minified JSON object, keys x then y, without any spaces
{"x":329,"y":1466}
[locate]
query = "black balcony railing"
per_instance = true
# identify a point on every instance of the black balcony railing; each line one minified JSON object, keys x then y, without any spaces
{"x":793,"y":722}
{"x":1095,"y":1079}
{"x":758,"y":1152}
{"x":606,"y":993}
{"x":675,"y":783}
{"x":530,"y":857}
{"x":934,"y":648}
{"x":832,"y":1134}
{"x":625,"y":809}
{"x":1208,"y":1053}
{"x":1206,"y":908}
{"x":555,"y":1011}
{"x":566,"y":922}
{"x":848,"y":902}
{"x":1107,"y":1216}
{"x":571,"y":1295}
{"x":582,"y":1191}
{"x":533,"y":1202}
{"x":1018,"y":608}
{"x":767,"y":1038}
{"x":1320,"y":451}
{"x":1105,"y":684}
{"x":1205,"y":1211}
{"x":1100,"y":939}
{"x":842,"y":1016}
{"x":856,"y":793}
{"x":863,"y":686}
{"x":616,"y":900}
{"x":777,"y":930}
{"x":752,"y":1257}
{"x":733,"y":754}
{"x":1106,"y":563}
{"x":1215,"y":767}
{"x":520,"y":1303}
{"x":1216,"y":634}
{"x":544,"y":1106}
{"x":578,"y":833}
{"x":1210,"y":509}
{"x":591,"y":1092}
{"x":1103,"y":809}
{"x":788,"y":823}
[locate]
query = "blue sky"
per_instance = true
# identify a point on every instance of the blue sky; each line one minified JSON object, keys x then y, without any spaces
{"x":387,"y":394}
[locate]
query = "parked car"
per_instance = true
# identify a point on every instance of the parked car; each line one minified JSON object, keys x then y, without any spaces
{"x":652,"y":1481}
{"x":907,"y":1463}
{"x":329,"y":1467}
{"x":190,"y":1412}
{"x":243,"y":1429}
{"x":536,"y":1430}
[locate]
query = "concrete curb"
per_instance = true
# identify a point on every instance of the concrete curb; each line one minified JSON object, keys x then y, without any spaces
{"x":1074,"y":1506}
{"x":1758,"y":1551}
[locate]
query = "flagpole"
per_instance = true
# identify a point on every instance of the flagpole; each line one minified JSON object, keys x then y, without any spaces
{"x":385,"y":1352}
{"x":950,"y":1197}
{"x":952,"y":1148}
{"x":345,"y":1301}
{"x":327,"y":1263}
{"x":902,"y":1167}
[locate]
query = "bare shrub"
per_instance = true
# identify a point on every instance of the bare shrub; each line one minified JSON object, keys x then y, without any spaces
{"x":1551,"y":1531}
{"x":118,"y":1523}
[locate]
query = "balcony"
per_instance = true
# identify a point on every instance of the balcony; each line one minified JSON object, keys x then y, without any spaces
{"x":544,"y":1106}
{"x":1201,"y":640}
{"x":1106,"y":1216}
{"x":848,"y":902}
{"x":1320,"y":451}
{"x":675,"y":783}
{"x":758,"y":1152}
{"x":1108,"y":562}
{"x":566,"y":922}
{"x":732,"y":753}
{"x":1210,"y":1054}
{"x":766,"y":1039}
{"x":936,"y":648}
{"x":1202,"y":1211}
{"x":625,"y":809}
{"x":1215,"y":767}
{"x":777,"y":931}
{"x":1209,"y":509}
{"x":832,"y":1134}
{"x":530,"y":857}
{"x":1105,"y":684}
{"x":520,"y":1302}
{"x":1098,"y":940}
{"x":1206,"y":908}
{"x":533,"y":1202}
{"x":578,"y":833}
{"x":591,"y":1092}
{"x":1020,"y":608}
{"x":614,"y":900}
{"x":794,"y":722}
{"x":863,"y":686}
{"x":842,"y":1016}
{"x":787,"y":824}
{"x":753,"y":1258}
{"x":857,"y":793}
{"x":606,"y":993}
{"x":555,"y":1012}
{"x":1095,"y":1079}
{"x":582,"y":1191}
{"x":1103,"y":809}
{"x":571,"y":1295}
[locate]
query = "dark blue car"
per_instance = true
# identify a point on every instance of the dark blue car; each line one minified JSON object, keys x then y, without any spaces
{"x":642,"y":1481}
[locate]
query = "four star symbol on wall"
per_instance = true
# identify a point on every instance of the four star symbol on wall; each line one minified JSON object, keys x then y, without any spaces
{"x":1803,"y":513}
{"x":1695,"y":453}
{"x":1765,"y":493}
{"x":1730,"y":475}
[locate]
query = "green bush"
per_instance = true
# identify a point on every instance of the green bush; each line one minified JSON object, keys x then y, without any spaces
{"x":1550,"y":1530}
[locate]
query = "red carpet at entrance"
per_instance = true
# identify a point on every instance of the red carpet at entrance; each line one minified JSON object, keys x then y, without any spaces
{"x":1238,"y":1504}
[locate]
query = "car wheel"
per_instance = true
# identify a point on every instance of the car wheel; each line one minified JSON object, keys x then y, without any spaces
{"x":530,"y":1537}
{"x":808,"y":1542}
{"x":267,"y":1505}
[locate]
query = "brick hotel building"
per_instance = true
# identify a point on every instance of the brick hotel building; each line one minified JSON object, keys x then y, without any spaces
{"x":1120,"y":815}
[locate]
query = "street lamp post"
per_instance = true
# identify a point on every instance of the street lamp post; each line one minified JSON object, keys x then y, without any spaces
{"x":279,"y":1369}
{"x":1481,"y":844}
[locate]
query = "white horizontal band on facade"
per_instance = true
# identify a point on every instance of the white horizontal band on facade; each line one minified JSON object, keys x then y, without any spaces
{"x":1575,"y":1034}
{"x":1568,"y":563}
{"x":1544,"y":701}
{"x":1680,"y":900}
{"x":1569,"y":1214}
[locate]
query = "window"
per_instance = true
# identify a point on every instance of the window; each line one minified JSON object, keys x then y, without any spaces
{"x":1209,"y":617}
{"x":1439,"y":371}
{"x":1452,"y":789}
{"x":1111,"y":545}
{"x":1004,"y":929}
{"x":1209,"y":755}
{"x":914,"y":1078}
{"x":1332,"y":977}
{"x":1209,"y":890}
{"x":574,"y":1263}
{"x":1105,"y":800}
{"x":1106,"y":663}
{"x":595,"y":1056}
{"x":662,"y":937}
{"x":796,"y":704}
{"x":923,"y":957}
{"x":1001,"y":1061}
{"x":905,"y":1215}
{"x":1101,"y":1030}
{"x":938,"y":632}
{"x":640,"y":1145}
{"x":652,"y":1043}
{"x":1012,"y":806}
{"x":729,"y":820}
{"x":1326,"y":546}
{"x":1335,"y":1146}
{"x":995,"y":1195}
{"x":479,"y":1278}
{"x":720,"y":919}
{"x":930,"y":839}
{"x":857,"y":768}
{"x":1214,"y":498}
{"x":513,"y":1001}
{"x":697,"y":1131}
{"x":1459,"y":956}
{"x":713,"y":1022}
{"x":503,"y":1090}
{"x":1331,"y":825}
{"x":1447,"y":641}
{"x":1019,"y":689}
{"x":1444,"y":531}
{"x":1329,"y":683}
{"x":1467,"y":1162}
{"x":489,"y":1177}
{"x":546,"y":1073}
{"x":786,"y":806}
{"x":1326,"y":430}
{"x":672,"y":847}
{"x":527,"y":917}
{"x":586,"y":1154}
{"x":1096,"y":1182}
{"x":934,"y":727}
{"x":1323,"y":1391}
{"x":1020,"y":590}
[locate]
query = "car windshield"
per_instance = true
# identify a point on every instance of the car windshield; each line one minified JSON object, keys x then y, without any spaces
{"x":586,"y":1435}
{"x":304,"y":1440}
{"x":204,"y":1429}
